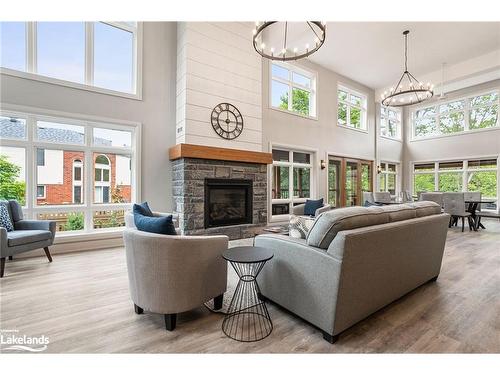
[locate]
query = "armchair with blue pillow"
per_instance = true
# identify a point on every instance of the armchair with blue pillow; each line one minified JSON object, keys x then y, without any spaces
{"x":312,"y":208}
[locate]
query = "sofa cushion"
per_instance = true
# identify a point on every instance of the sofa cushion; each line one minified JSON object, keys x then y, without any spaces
{"x":300,"y":226}
{"x":142,"y":209}
{"x":328,"y":224}
{"x":426,"y":208}
{"x":5,"y":220}
{"x":400,"y":212}
{"x":312,"y":205}
{"x":23,"y":237}
{"x":16,"y":211}
{"x":155,"y":224}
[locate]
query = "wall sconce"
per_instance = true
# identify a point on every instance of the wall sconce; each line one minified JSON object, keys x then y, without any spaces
{"x":322,"y":164}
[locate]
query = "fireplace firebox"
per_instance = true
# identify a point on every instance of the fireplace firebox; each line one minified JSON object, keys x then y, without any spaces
{"x":228,"y":202}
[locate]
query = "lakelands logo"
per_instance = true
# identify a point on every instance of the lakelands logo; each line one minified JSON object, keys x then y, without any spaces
{"x":11,"y":340}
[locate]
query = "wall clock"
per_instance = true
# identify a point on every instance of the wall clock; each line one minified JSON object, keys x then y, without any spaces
{"x":227,"y":121}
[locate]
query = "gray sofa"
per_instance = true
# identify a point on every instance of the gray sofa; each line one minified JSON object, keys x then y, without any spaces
{"x":353,"y":262}
{"x":27,"y":235}
{"x":173,"y":274}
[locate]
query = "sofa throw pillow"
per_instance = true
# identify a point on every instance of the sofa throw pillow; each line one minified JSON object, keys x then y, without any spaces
{"x":5,"y":218}
{"x":299,"y":226}
{"x":369,"y":204}
{"x":142,"y":209}
{"x":153,"y":224}
{"x":312,"y":205}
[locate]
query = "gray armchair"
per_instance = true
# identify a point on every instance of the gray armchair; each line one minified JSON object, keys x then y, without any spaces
{"x":298,"y":210}
{"x":27,"y":235}
{"x":172,"y":274}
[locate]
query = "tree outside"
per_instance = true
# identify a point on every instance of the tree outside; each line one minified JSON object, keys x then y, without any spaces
{"x":10,"y":185}
{"x":300,"y":101}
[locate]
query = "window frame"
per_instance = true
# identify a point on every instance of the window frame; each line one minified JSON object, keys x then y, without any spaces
{"x":44,"y":196}
{"x":290,"y":164}
{"x":31,"y":209}
{"x":31,"y":63}
{"x":385,"y":173}
{"x":464,"y":170}
{"x":399,"y":122}
{"x":363,"y":108}
{"x":313,"y":90}
{"x":467,"y":110}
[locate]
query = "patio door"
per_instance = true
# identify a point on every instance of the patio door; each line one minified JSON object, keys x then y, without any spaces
{"x":348,"y":178}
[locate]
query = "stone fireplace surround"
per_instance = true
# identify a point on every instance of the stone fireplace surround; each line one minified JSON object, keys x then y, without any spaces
{"x":192,"y":165}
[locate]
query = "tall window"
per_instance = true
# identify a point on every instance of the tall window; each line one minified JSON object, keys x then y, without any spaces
{"x":387,"y":178}
{"x":98,"y":54}
{"x":478,"y":175}
{"x":289,"y":81}
{"x":351,"y":109}
{"x":62,"y":189}
{"x":390,"y":122}
{"x":291,"y":180}
{"x":457,"y":116}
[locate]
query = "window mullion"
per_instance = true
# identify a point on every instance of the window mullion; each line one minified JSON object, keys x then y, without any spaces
{"x":89,"y":53}
{"x":31,"y":50}
{"x":88,"y":181}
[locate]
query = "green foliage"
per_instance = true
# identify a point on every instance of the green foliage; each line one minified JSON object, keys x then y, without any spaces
{"x":450,"y":181}
{"x":117,"y":195}
{"x":485,"y":182}
{"x":300,"y":101}
{"x":75,"y":221}
{"x":355,"y":116}
{"x":423,"y":182}
{"x":10,"y":187}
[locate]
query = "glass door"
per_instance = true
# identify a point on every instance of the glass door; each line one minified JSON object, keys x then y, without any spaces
{"x":351,"y":183}
{"x":334,"y":178}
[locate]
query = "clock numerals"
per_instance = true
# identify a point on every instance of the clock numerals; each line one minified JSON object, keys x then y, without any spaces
{"x":228,"y":125}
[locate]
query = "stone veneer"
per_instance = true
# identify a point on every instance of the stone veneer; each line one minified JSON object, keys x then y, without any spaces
{"x":188,"y":178}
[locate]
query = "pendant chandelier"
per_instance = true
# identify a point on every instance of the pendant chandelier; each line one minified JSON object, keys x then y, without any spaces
{"x":408,"y":90}
{"x":285,"y":41}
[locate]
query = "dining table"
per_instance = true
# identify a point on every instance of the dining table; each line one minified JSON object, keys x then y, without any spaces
{"x":472,"y":207}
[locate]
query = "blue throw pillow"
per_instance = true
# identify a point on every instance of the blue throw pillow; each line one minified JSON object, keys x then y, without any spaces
{"x":142,"y":209}
{"x":155,"y":224}
{"x":312,"y":205}
{"x":369,"y":204}
{"x":5,"y":218}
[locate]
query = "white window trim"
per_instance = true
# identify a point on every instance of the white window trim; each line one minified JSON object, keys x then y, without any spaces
{"x":31,"y":54}
{"x":290,"y":164}
{"x":363,"y":108}
{"x":313,"y":90}
{"x":386,"y":172}
{"x":464,"y":170}
{"x":399,"y":123}
{"x":31,"y":209}
{"x":466,"y":110}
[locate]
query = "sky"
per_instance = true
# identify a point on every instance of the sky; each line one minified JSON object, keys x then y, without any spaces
{"x":61,"y":52}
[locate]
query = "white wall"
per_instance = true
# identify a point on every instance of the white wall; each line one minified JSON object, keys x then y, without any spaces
{"x":52,"y":172}
{"x":217,"y":63}
{"x":322,"y":134}
{"x":156,"y":110}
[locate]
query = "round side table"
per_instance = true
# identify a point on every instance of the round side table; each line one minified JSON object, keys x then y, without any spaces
{"x":247,"y":318}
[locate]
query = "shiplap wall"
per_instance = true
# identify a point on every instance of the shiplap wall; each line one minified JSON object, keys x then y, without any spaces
{"x":216,"y":63}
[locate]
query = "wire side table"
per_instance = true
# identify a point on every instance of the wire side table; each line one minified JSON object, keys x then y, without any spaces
{"x":247,"y":317}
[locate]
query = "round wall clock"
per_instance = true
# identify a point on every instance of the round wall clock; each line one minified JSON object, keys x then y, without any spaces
{"x":227,"y":121}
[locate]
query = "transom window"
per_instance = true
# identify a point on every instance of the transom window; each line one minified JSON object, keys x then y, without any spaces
{"x":98,"y":54}
{"x":390,"y":122}
{"x":351,"y":109}
{"x":457,"y":116}
{"x":475,"y":175}
{"x":289,"y":81}
{"x":291,"y":180}
{"x":78,"y":173}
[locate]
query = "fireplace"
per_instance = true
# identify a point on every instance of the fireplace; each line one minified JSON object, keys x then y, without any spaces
{"x":228,"y":202}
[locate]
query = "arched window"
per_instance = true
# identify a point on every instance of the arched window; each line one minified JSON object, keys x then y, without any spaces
{"x":102,"y":179}
{"x":77,"y":181}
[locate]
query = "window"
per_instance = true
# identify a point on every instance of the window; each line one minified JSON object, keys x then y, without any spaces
{"x":13,"y":45}
{"x":291,"y":180}
{"x":457,"y":116}
{"x":390,"y":122}
{"x":12,"y":127}
{"x":61,"y":188}
{"x":387,"y":178}
{"x":103,"y":55}
{"x":40,"y":192}
{"x":289,"y":81}
{"x":351,"y":109}
{"x":456,"y":176}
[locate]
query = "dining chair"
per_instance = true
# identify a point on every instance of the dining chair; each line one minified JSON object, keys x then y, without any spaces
{"x":474,"y":196}
{"x":368,"y":197}
{"x":382,"y":197}
{"x":406,"y":196}
{"x":433,"y":197}
{"x":454,"y":205}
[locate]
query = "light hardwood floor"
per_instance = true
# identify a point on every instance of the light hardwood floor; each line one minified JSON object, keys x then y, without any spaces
{"x":81,"y":302}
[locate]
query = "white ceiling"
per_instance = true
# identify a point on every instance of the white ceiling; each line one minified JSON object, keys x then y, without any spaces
{"x":372,"y":52}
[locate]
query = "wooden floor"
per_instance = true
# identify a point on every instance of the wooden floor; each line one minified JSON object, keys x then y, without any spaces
{"x":81,"y":302}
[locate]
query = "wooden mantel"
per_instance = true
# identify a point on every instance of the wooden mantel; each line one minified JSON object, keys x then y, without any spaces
{"x":185,"y":150}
